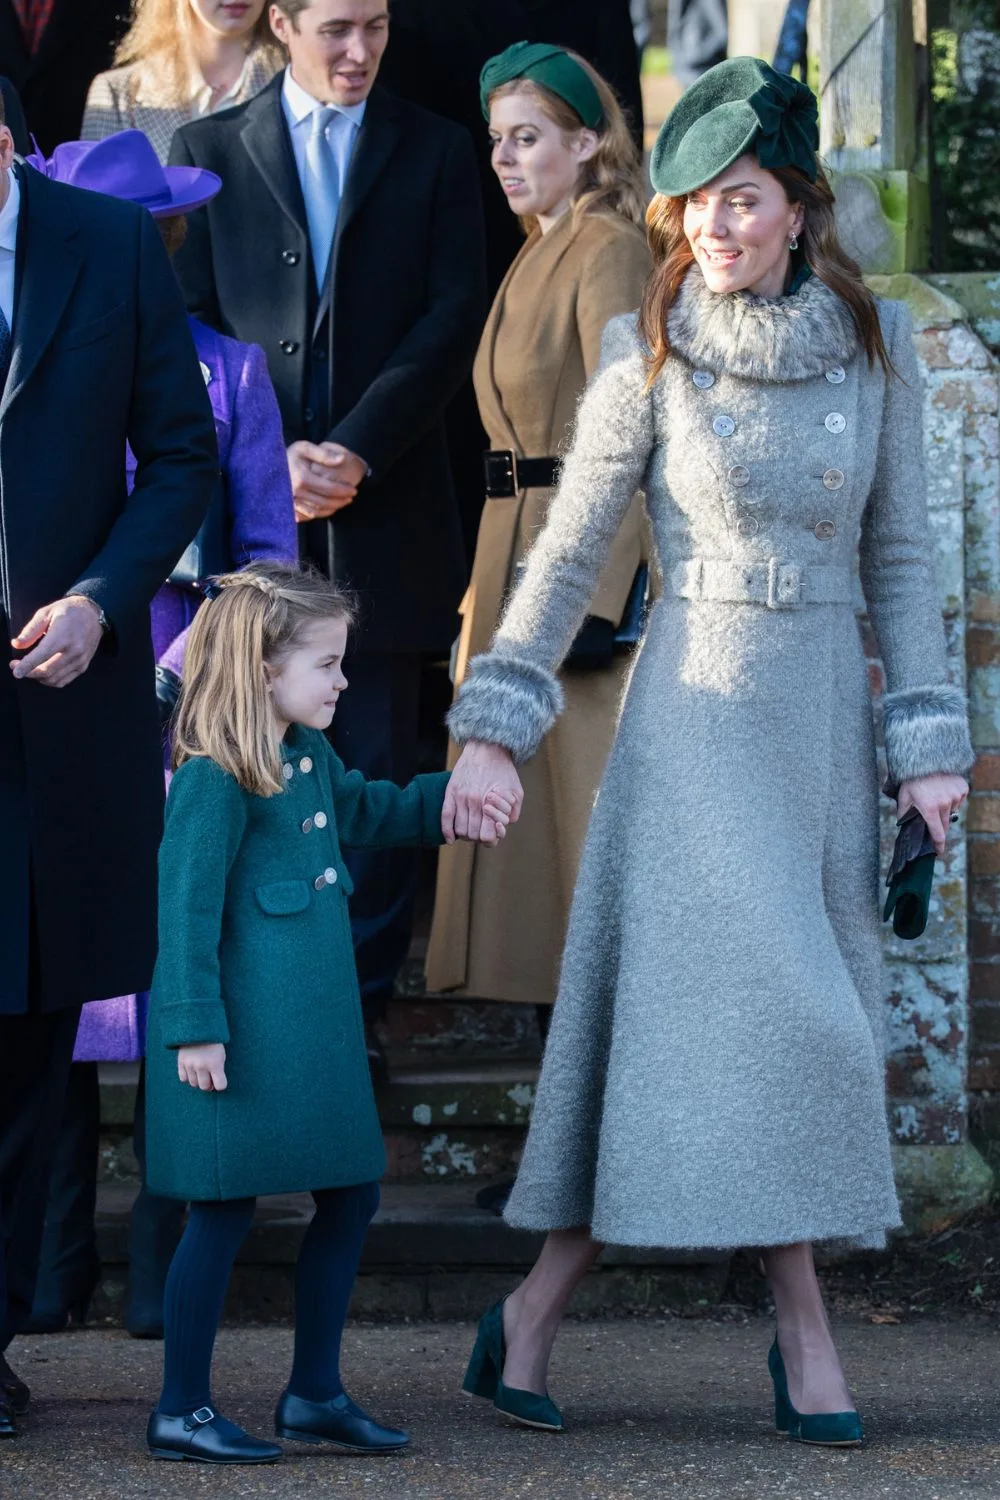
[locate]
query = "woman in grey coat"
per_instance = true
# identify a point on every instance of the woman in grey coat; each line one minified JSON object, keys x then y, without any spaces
{"x":714,"y":1073}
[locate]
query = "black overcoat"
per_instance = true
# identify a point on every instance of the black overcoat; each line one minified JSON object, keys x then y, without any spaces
{"x":102,"y":354}
{"x":77,"y":44}
{"x":14,"y":117}
{"x":396,"y":331}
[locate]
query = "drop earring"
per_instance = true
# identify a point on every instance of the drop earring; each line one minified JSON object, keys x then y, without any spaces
{"x":793,"y":243}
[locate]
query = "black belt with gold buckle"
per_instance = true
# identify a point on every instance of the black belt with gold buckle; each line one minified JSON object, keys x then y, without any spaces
{"x":506,"y":474}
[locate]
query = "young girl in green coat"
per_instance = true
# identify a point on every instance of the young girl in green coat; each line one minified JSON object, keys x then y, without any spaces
{"x":257,"y":1072}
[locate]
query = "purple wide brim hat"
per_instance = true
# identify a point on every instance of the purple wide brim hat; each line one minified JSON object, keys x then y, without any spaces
{"x":126,"y":166}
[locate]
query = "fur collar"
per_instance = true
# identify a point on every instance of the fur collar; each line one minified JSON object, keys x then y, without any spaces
{"x":793,"y":338}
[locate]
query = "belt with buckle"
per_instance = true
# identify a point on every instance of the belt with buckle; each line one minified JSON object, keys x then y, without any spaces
{"x":506,"y":474}
{"x":776,"y":584}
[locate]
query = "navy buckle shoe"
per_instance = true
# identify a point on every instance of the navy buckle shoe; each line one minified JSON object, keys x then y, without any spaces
{"x":339,"y":1422}
{"x":206,"y":1438}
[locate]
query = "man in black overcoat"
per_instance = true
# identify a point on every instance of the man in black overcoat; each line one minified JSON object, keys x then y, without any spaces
{"x":94,"y":350}
{"x":51,"y":50}
{"x":347,"y":240}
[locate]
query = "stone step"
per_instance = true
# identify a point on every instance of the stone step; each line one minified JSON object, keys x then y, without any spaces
{"x":431,"y":1252}
{"x":444,"y":1116}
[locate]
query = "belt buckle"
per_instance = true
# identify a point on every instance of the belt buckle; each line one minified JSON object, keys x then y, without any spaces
{"x":785,"y":585}
{"x":501,"y":482}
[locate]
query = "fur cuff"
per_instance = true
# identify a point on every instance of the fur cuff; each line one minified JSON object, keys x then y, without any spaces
{"x":506,"y":701}
{"x":926,"y":730}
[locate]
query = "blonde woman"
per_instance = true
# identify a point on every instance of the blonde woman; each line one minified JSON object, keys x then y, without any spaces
{"x":179,"y":60}
{"x":566,"y":162}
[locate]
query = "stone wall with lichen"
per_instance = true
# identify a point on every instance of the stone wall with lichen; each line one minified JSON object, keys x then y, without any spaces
{"x":942,"y":993}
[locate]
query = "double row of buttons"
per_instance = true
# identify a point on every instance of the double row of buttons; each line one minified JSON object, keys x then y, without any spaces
{"x":747,"y":524}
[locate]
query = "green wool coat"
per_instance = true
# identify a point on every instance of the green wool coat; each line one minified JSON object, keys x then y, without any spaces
{"x":255,"y":952}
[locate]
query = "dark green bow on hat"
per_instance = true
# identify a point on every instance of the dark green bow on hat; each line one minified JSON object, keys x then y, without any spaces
{"x":740,"y":105}
{"x":553,"y":68}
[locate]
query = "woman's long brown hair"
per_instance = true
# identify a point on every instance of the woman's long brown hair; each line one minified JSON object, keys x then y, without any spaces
{"x":821,"y":247}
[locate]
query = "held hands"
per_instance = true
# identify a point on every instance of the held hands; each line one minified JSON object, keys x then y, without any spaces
{"x":65,"y":636}
{"x":935,"y":798}
{"x":325,"y":478}
{"x":203,"y":1067}
{"x":484,"y":795}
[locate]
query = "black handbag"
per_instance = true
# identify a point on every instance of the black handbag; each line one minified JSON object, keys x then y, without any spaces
{"x":208,"y":554}
{"x":599,"y":641}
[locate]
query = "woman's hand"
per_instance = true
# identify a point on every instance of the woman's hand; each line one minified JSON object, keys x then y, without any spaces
{"x":936,"y":798}
{"x":203,"y":1067}
{"x":483,"y":796}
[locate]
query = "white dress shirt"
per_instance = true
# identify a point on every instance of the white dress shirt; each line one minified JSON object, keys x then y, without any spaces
{"x":8,"y":245}
{"x":341,"y":135}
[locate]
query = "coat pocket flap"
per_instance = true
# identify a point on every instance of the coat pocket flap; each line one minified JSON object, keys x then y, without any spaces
{"x":283,"y":898}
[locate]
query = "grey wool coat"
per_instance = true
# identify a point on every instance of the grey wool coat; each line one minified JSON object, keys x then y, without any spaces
{"x":714,"y":1072}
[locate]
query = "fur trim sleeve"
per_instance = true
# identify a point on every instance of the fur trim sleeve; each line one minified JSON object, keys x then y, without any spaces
{"x":926,"y":730}
{"x":508,"y":702}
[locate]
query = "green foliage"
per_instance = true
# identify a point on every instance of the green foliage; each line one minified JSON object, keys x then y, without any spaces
{"x":965,"y":85}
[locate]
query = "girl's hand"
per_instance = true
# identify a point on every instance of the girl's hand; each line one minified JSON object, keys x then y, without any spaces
{"x":482,"y":770}
{"x":203,"y":1067}
{"x":936,"y":798}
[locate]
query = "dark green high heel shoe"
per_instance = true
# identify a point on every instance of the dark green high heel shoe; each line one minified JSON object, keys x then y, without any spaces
{"x":837,"y":1429}
{"x":484,"y":1378}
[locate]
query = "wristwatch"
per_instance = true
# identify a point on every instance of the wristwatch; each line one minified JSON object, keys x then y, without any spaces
{"x":102,"y":618}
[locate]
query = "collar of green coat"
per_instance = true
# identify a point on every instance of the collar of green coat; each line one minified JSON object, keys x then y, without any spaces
{"x":795,"y":337}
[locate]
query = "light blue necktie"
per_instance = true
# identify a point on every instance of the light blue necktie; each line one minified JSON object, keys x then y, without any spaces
{"x":322,"y":188}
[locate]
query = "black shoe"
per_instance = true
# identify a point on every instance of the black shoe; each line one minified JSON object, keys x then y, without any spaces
{"x":339,"y":1422}
{"x":378,"y":1063}
{"x":139,"y":1329}
{"x":206,"y":1438}
{"x":53,"y":1310}
{"x":494,"y":1196}
{"x":8,"y":1427}
{"x":14,"y":1389}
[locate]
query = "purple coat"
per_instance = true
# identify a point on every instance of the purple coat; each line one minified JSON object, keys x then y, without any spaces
{"x":262,"y":525}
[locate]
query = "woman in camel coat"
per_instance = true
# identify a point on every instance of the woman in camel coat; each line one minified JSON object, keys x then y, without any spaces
{"x":585,"y":261}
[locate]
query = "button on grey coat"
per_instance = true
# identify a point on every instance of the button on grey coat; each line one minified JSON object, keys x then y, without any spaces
{"x":714,"y":1072}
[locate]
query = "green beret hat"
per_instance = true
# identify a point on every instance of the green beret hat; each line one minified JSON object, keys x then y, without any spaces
{"x":740,"y":105}
{"x":553,"y":68}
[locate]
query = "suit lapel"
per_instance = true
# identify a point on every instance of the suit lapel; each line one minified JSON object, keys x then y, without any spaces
{"x":48,"y":264}
{"x":265,"y":136}
{"x":375,"y":144}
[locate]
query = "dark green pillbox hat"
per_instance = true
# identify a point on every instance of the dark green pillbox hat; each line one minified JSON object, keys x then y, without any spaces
{"x":740,"y":105}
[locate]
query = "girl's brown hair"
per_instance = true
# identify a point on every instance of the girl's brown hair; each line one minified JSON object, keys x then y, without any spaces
{"x":821,"y":249}
{"x":611,"y":181}
{"x":158,"y":43}
{"x":225,"y":712}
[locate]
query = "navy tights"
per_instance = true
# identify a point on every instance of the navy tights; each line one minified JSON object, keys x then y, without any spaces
{"x":324,"y":1279}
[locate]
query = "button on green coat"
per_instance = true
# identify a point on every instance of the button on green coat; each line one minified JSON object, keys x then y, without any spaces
{"x":255,"y":952}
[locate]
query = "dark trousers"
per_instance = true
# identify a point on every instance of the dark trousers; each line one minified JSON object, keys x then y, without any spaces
{"x":376,"y":731}
{"x":35,"y":1055}
{"x":69,"y":1262}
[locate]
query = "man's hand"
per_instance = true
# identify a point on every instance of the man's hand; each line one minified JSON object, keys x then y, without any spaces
{"x":65,"y":636}
{"x":325,"y":478}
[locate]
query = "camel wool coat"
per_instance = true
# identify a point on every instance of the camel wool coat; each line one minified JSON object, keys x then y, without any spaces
{"x":714,"y":1075}
{"x":541,"y":345}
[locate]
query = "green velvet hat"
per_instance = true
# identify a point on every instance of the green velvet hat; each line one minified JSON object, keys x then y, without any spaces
{"x":740,"y":105}
{"x":553,"y":68}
